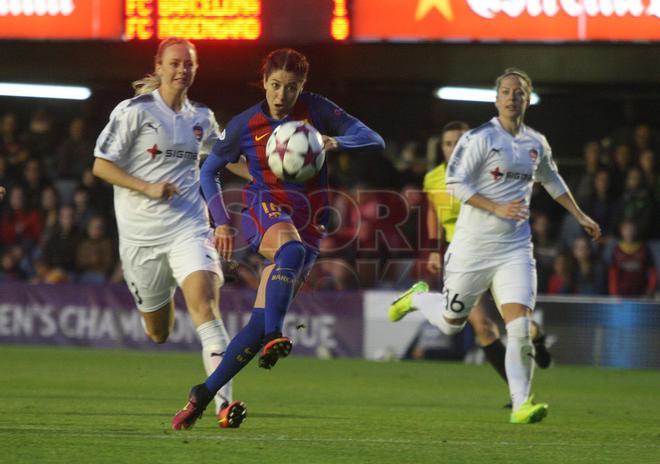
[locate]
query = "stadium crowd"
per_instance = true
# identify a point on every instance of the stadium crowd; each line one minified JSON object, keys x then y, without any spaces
{"x":57,"y":220}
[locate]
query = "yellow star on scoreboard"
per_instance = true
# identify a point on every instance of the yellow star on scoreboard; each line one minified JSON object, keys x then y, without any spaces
{"x":443,"y":6}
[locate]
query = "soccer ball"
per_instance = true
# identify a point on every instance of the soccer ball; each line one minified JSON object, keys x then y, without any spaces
{"x":295,"y":152}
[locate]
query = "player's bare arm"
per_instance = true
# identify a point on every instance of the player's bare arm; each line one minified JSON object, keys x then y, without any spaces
{"x":515,"y":210}
{"x":590,"y":226}
{"x":434,"y":264}
{"x":113,"y":174}
{"x":223,"y":240}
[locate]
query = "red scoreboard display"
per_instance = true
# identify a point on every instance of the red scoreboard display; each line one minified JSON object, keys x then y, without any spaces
{"x":251,"y":20}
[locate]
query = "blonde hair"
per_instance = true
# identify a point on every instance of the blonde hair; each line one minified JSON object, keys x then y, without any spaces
{"x":151,"y":82}
{"x":522,"y":75}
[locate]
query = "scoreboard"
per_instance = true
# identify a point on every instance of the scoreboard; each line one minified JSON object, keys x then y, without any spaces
{"x":245,"y":20}
{"x":214,"y":20}
{"x":317,"y":21}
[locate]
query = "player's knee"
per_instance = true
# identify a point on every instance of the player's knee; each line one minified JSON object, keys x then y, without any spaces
{"x":452,"y":326}
{"x":202,"y":309}
{"x":290,"y":256}
{"x":158,"y":336}
{"x":485,"y":329}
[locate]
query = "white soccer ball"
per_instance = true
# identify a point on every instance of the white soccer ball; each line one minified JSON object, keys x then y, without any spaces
{"x":295,"y":152}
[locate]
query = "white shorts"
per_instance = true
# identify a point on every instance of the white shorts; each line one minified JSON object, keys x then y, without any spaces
{"x":511,"y":280}
{"x":152,"y":273}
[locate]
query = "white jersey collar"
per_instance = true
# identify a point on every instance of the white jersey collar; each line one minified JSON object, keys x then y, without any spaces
{"x":186,"y":106}
{"x":522,"y":132}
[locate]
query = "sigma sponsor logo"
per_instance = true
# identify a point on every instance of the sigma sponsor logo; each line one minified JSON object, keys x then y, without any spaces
{"x":36,"y":7}
{"x":514,"y":8}
{"x":518,"y":176}
{"x":181,"y":154}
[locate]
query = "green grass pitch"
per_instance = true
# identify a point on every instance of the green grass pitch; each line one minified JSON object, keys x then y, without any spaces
{"x":78,"y":406}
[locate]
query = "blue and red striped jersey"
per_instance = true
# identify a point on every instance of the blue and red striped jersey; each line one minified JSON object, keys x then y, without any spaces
{"x":247,"y":134}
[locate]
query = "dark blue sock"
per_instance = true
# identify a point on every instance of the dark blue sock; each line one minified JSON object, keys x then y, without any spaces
{"x":289,"y":261}
{"x":239,"y":352}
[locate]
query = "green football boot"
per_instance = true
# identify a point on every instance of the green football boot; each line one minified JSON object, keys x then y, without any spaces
{"x":529,"y":412}
{"x":403,"y":305}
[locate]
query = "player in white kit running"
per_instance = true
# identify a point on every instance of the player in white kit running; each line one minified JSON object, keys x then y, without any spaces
{"x":492,"y":172}
{"x":150,"y":151}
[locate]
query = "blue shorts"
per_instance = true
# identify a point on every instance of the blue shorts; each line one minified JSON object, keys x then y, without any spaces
{"x":260,"y":217}
{"x":264,"y":212}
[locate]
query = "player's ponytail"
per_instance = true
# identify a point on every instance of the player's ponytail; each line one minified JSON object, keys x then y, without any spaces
{"x":151,"y":82}
{"x":147,"y":84}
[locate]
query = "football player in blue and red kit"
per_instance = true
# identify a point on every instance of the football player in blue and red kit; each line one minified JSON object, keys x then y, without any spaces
{"x":284,"y":222}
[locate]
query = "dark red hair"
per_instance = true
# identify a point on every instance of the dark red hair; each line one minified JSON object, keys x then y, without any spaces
{"x":285,"y":59}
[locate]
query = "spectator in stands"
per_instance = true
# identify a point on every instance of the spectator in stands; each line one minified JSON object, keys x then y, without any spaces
{"x":561,"y":281}
{"x":95,"y":254}
{"x":5,"y":179}
{"x":19,"y":224}
{"x":546,"y":249}
{"x":584,"y":187}
{"x":83,"y":211}
{"x":100,"y":192}
{"x":33,"y":182}
{"x":332,"y":274}
{"x":598,"y":205}
{"x":622,"y":161}
{"x":59,"y":249}
{"x":649,"y":166}
{"x":590,"y":274}
{"x":48,"y":211}
{"x":10,"y":270}
{"x":642,"y":138}
{"x":636,"y":203}
{"x":632,"y":271}
{"x":40,"y":139}
{"x":72,"y":157}
{"x":11,"y":148}
{"x":45,"y":274}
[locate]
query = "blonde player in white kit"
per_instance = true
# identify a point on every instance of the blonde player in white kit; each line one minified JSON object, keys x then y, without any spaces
{"x":492,"y":172}
{"x":150,"y":152}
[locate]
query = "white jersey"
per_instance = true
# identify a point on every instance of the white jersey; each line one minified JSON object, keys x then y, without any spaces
{"x":490,"y":161}
{"x":152,"y":142}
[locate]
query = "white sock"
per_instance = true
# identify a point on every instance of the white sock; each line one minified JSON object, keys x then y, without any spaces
{"x":214,"y":340}
{"x":431,"y":305}
{"x":518,"y":360}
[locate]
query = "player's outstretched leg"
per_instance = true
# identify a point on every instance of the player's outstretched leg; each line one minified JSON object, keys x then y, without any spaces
{"x":403,"y":304}
{"x":280,"y":289}
{"x":198,"y":398}
{"x":542,"y":356}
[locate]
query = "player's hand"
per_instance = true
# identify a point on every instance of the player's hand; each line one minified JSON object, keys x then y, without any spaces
{"x":516,"y":210}
{"x":329,"y":143}
{"x":3,"y":191}
{"x":160,"y":190}
{"x":434,"y":264}
{"x":590,"y":226}
{"x":223,"y":241}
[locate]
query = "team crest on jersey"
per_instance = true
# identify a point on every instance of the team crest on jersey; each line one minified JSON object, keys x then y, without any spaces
{"x":533,"y":154}
{"x":198,"y":132}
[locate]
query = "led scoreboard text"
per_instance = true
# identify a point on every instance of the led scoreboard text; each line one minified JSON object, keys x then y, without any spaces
{"x":193,"y":19}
